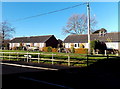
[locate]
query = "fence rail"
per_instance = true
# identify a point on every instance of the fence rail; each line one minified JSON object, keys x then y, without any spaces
{"x":38,"y":56}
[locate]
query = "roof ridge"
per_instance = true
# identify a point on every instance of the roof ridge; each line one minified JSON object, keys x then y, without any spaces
{"x":77,"y":34}
{"x":114,"y":32}
{"x":43,"y":38}
{"x":90,"y":34}
{"x":83,"y":37}
{"x":32,"y":36}
{"x":41,"y":35}
{"x":48,"y":38}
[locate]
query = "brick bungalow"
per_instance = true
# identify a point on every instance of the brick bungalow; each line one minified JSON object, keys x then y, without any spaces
{"x":34,"y":41}
{"x":112,"y":40}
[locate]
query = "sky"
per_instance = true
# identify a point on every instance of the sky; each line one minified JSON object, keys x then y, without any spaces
{"x":106,"y":14}
{"x":60,"y":0}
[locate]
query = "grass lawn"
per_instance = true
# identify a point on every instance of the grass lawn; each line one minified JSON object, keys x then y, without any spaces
{"x":58,"y":56}
{"x":61,"y":55}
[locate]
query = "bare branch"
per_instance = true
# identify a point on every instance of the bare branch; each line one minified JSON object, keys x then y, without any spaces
{"x":77,"y":24}
{"x":6,"y":30}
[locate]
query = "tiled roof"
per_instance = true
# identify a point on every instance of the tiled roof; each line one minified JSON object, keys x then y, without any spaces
{"x":108,"y":37}
{"x":102,"y":29}
{"x":31,"y":39}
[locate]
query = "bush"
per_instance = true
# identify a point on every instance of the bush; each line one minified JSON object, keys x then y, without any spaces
{"x":82,"y":46}
{"x":72,"y":49}
{"x":14,"y":48}
{"x":19,"y":48}
{"x":54,"y":50}
{"x":49,"y":49}
{"x":81,"y":50}
{"x":45,"y":49}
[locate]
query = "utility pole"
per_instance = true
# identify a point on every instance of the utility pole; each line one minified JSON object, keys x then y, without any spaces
{"x":88,"y":19}
{"x":3,"y":33}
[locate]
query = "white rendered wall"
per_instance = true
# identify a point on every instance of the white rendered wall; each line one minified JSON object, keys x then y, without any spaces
{"x":112,"y":45}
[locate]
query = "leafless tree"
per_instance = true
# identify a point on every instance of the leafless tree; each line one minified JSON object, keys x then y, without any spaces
{"x":77,"y":24}
{"x":6,"y":31}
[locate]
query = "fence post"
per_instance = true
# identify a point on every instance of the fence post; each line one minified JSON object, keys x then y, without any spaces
{"x":27,"y":57}
{"x":17,"y":56}
{"x":117,"y":54}
{"x":9,"y":55}
{"x":87,"y":59}
{"x":38,"y":57}
{"x":52,"y":59}
{"x":107,"y":56}
{"x":105,"y":52}
{"x":68,"y":60}
{"x":3,"y":55}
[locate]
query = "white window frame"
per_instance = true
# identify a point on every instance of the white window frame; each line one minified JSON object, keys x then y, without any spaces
{"x":77,"y":45}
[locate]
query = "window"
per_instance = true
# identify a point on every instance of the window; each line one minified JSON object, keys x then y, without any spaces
{"x":28,"y":45}
{"x":78,"y":45}
{"x":102,"y":33}
{"x":75,"y":45}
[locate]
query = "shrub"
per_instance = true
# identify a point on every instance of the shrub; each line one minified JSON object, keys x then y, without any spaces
{"x":45,"y":49}
{"x":82,"y":46}
{"x":54,"y":50}
{"x":72,"y":49}
{"x":19,"y":48}
{"x":81,"y":50}
{"x":96,"y":44}
{"x":93,"y":44}
{"x":49,"y":49}
{"x":14,"y":48}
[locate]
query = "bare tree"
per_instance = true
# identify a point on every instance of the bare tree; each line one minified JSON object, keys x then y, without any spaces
{"x":77,"y":24}
{"x":6,"y":31}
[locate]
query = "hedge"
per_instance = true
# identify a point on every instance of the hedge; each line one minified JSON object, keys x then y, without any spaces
{"x":45,"y":49}
{"x":54,"y":50}
{"x":49,"y":49}
{"x":81,"y":50}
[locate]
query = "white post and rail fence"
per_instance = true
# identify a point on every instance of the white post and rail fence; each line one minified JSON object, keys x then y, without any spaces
{"x":39,"y":57}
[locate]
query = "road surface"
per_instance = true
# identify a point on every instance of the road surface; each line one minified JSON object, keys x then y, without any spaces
{"x":104,"y":75}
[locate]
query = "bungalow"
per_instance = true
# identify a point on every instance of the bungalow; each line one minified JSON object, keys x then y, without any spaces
{"x":34,"y":41}
{"x":111,"y":40}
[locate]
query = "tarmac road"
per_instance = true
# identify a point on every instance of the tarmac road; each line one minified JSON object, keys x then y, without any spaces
{"x":104,"y":75}
{"x":16,"y":76}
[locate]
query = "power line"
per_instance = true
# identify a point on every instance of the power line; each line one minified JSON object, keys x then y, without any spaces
{"x":49,"y":12}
